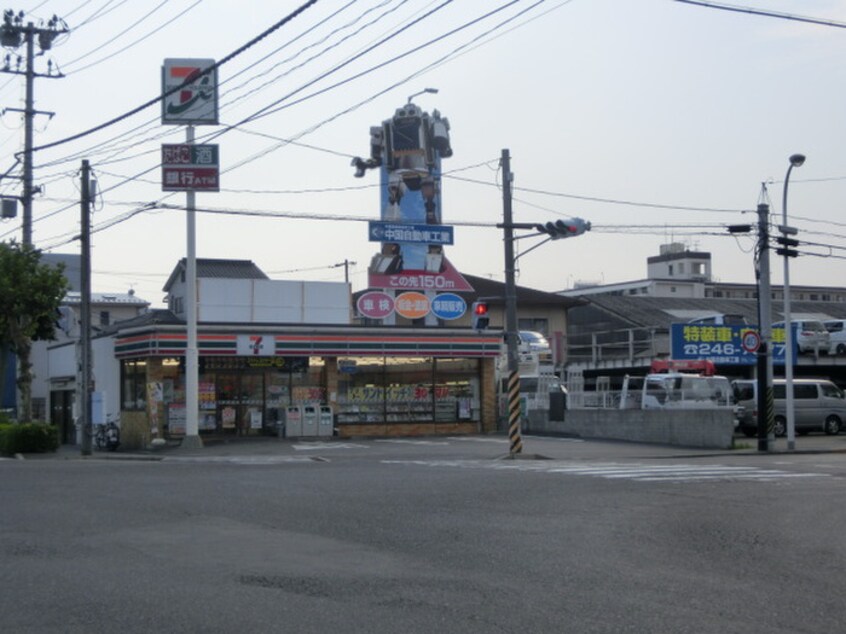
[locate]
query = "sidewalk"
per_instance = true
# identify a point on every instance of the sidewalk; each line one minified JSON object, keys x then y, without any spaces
{"x":271,"y":445}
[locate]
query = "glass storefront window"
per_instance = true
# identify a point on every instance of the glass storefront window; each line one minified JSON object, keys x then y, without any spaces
{"x":407,"y":390}
{"x":133,"y":387}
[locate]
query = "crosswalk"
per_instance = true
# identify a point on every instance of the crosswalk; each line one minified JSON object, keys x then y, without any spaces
{"x":638,"y":472}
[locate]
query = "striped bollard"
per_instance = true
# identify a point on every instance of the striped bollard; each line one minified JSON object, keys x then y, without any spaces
{"x":514,"y":439}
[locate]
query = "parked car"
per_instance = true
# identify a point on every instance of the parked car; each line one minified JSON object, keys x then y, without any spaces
{"x":837,"y":334}
{"x":720,"y":319}
{"x":811,"y":336}
{"x":818,"y":405}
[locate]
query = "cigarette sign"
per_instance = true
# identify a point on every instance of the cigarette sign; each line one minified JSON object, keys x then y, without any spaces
{"x":187,"y":167}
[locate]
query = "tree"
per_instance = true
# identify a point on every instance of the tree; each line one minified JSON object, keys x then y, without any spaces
{"x":30,"y":295}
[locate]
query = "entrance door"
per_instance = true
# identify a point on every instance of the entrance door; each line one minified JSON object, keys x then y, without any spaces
{"x":61,"y":415}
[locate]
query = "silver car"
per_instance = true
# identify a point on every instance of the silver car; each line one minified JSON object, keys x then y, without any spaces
{"x":811,"y":336}
{"x":818,"y":405}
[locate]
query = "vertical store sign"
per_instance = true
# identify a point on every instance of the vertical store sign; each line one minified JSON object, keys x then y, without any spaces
{"x":194,"y":100}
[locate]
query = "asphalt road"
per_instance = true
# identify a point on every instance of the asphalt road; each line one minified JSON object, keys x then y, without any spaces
{"x":431,"y":535}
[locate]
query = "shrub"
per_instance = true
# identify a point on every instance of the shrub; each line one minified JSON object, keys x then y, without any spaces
{"x":28,"y":438}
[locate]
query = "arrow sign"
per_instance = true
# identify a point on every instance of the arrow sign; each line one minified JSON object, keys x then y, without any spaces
{"x":379,"y":231}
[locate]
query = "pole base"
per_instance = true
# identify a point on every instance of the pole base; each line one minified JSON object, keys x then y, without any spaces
{"x":191,"y":442}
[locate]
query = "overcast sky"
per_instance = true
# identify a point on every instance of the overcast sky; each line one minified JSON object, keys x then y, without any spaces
{"x":655,"y":120}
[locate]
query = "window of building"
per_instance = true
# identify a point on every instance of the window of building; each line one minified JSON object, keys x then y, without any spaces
{"x":133,"y":377}
{"x":671,"y":270}
{"x":697,"y":268}
{"x":718,"y":293}
{"x":407,"y":390}
{"x":104,"y":318}
{"x":535,"y":324}
{"x":814,"y":297}
{"x":681,"y":268}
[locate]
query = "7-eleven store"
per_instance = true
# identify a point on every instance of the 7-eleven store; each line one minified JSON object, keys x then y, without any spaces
{"x":363,"y":381}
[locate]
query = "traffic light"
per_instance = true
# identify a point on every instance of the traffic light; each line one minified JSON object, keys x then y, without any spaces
{"x":564,"y":228}
{"x":785,"y":243}
{"x":481,"y":319}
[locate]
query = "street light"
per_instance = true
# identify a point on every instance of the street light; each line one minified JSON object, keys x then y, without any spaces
{"x":796,"y":160}
{"x":423,"y":92}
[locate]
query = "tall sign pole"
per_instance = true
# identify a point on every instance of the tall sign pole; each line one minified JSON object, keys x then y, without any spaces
{"x":189,"y":89}
{"x":515,"y":441}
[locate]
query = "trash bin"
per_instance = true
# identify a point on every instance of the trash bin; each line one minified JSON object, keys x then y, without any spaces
{"x":326,"y":427}
{"x":310,"y":420}
{"x":293,"y":421}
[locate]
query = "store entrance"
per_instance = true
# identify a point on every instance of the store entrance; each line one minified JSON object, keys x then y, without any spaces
{"x":240,"y":403}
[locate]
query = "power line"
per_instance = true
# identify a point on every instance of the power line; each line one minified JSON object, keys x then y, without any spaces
{"x":157,"y":99}
{"x":769,"y":14}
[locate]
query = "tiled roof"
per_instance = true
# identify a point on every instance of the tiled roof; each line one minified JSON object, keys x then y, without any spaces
{"x":660,"y":312}
{"x":74,"y":298}
{"x":219,"y":269}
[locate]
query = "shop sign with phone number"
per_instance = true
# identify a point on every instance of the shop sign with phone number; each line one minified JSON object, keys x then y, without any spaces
{"x":720,"y":344}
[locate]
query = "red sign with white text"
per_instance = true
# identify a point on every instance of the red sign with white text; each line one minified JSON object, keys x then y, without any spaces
{"x":448,"y":279}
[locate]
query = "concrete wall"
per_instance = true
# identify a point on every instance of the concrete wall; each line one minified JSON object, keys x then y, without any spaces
{"x":708,"y":429}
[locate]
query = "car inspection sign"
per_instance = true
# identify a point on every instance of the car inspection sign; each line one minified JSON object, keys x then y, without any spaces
{"x":187,"y":167}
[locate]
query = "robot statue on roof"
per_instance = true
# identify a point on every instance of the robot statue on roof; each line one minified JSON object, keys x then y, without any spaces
{"x":408,"y":149}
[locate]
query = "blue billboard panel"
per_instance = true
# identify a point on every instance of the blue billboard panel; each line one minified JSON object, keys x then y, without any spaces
{"x":725,"y":345}
{"x":448,"y":306}
{"x":396,"y":232}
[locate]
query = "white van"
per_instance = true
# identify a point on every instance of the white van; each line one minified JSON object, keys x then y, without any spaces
{"x":818,"y":405}
{"x":676,"y":391}
{"x":837,"y":334}
{"x":720,"y":319}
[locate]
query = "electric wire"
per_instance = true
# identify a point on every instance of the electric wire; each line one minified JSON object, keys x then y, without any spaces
{"x":307,"y":5}
{"x":134,"y":42}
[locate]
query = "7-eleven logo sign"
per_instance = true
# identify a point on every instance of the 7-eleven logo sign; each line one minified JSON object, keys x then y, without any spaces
{"x":256,"y":346}
{"x":193,"y":92}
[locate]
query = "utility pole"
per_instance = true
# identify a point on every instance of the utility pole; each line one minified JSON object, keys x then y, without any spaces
{"x":515,"y":440}
{"x":346,"y":264}
{"x":85,"y":317}
{"x":765,"y":364}
{"x":13,"y":33}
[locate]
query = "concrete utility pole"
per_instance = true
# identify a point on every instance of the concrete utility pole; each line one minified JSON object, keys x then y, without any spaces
{"x":13,"y":33}
{"x":765,"y":359}
{"x":85,"y":318}
{"x":511,"y":331}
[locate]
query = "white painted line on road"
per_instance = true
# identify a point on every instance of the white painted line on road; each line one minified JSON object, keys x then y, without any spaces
{"x":311,"y":446}
{"x":499,"y":441}
{"x":251,"y":460}
{"x":402,"y":441}
{"x":629,"y":471}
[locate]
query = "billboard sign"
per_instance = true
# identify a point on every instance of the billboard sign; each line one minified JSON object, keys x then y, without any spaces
{"x":448,"y":306}
{"x":410,"y":233}
{"x":194,"y":97}
{"x":725,"y":345}
{"x":187,"y":167}
{"x":375,"y":305}
{"x":444,"y":277}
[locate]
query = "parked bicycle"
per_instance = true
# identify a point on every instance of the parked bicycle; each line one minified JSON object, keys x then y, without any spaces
{"x":107,"y":436}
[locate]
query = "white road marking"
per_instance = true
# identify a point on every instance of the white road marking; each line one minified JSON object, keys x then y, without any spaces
{"x":629,"y":471}
{"x":312,"y":446}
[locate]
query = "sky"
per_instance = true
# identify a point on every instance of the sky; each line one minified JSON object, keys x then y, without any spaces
{"x":656,"y":120}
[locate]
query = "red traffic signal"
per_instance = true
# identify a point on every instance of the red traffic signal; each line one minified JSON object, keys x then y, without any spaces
{"x":564,"y":228}
{"x":480,"y":315}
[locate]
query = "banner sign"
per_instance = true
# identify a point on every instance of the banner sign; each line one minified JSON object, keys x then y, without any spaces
{"x":187,"y":167}
{"x":414,"y":233}
{"x":725,"y":345}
